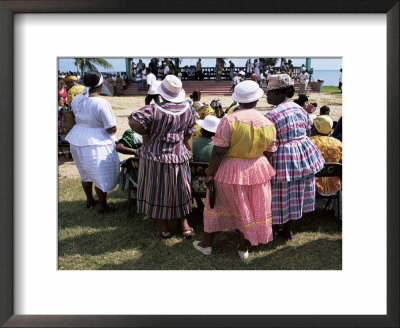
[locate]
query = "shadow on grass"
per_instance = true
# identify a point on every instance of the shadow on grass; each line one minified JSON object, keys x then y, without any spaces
{"x":90,"y":241}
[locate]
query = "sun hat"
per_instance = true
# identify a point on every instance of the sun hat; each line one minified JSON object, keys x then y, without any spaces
{"x":70,"y":78}
{"x":279,"y":81}
{"x":210,"y":123}
{"x":247,"y":92}
{"x":323,"y":124}
{"x":171,"y":89}
{"x":241,"y":73}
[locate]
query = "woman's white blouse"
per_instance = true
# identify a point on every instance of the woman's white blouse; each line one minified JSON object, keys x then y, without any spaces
{"x":93,"y":115}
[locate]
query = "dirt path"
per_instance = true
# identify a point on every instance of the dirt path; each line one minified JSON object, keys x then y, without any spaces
{"x":124,"y":106}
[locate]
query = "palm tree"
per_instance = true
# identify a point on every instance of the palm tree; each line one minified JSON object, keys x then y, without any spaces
{"x":90,"y":64}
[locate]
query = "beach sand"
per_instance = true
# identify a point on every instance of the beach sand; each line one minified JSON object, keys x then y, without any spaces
{"x":124,"y":106}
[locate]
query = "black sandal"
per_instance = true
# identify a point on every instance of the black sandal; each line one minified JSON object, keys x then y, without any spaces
{"x":90,"y":205}
{"x":110,"y":209}
{"x":162,"y":234}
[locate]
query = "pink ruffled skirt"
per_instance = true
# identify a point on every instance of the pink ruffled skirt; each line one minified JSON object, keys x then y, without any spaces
{"x":243,"y":199}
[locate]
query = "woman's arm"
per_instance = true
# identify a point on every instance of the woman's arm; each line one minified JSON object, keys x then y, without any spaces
{"x":188,"y":141}
{"x":268,"y":155}
{"x":217,"y":155}
{"x":112,"y":130}
{"x":123,"y":149}
{"x":137,"y":127}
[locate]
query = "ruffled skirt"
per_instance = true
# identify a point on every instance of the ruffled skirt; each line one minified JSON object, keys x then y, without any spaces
{"x":245,"y":171}
{"x":296,"y":160}
{"x":243,"y":207}
{"x":98,"y":164}
{"x":291,"y":199}
{"x":243,"y":199}
{"x":164,"y":190}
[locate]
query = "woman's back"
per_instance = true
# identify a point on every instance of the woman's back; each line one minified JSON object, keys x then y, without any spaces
{"x":91,"y":112}
{"x":296,"y":157}
{"x":251,"y":133}
{"x":166,"y":124}
{"x":291,"y":121}
{"x":93,"y":115}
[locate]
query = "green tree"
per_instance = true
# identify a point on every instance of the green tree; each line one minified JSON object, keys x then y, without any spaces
{"x":268,"y":62}
{"x":90,"y":64}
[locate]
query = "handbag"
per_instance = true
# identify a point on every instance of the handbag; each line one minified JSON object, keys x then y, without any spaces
{"x":211,"y":194}
{"x":67,"y":120}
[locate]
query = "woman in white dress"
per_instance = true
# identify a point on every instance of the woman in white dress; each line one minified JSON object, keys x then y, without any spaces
{"x":92,"y":142}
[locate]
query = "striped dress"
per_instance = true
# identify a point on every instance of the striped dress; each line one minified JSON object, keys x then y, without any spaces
{"x":296,"y":162}
{"x":242,"y":182}
{"x":164,"y":190}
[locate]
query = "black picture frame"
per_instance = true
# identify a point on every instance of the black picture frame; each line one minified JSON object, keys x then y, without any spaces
{"x":7,"y":11}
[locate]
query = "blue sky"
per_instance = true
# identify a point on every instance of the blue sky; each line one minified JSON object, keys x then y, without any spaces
{"x":67,"y":64}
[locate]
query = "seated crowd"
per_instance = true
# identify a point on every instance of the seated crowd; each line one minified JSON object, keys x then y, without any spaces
{"x":261,"y":170}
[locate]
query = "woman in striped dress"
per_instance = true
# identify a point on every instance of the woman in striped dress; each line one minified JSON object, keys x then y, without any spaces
{"x":241,"y":174}
{"x":296,"y":160}
{"x":164,"y":190}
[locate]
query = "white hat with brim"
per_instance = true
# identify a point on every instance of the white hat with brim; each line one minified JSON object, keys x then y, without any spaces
{"x":247,"y":92}
{"x":241,"y":73}
{"x":171,"y":89}
{"x":210,"y":123}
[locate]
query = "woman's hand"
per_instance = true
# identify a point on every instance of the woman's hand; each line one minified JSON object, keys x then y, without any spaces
{"x":112,"y":130}
{"x":209,"y":179}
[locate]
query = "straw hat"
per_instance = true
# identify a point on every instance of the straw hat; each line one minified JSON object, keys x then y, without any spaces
{"x":323,"y":124}
{"x":279,"y":81}
{"x":210,"y":123}
{"x":171,"y":89}
{"x":70,"y":78}
{"x":247,"y":92}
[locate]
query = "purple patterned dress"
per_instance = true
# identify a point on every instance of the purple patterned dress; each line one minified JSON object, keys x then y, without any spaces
{"x":164,"y":190}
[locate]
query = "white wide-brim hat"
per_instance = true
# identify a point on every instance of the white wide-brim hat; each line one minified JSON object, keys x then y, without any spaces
{"x":210,"y":123}
{"x":247,"y":92}
{"x":171,"y":89}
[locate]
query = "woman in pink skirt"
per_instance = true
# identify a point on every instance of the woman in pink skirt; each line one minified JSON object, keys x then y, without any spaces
{"x":241,"y":174}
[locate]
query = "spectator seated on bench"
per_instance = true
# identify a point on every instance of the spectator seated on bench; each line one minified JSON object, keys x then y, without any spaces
{"x":202,"y":148}
{"x":129,"y":144}
{"x":331,"y":149}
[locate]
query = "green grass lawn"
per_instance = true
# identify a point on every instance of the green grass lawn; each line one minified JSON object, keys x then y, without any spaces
{"x":330,"y":89}
{"x":88,"y":241}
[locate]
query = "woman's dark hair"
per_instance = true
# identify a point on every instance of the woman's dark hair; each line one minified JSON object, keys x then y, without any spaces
{"x":196,"y":95}
{"x":288,"y":92}
{"x":314,"y":104}
{"x":324,"y":110}
{"x":248,"y":105}
{"x":90,"y":79}
{"x":301,"y":100}
{"x":206,"y":134}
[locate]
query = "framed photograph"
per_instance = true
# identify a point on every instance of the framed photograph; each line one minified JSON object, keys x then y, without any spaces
{"x":35,"y":293}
